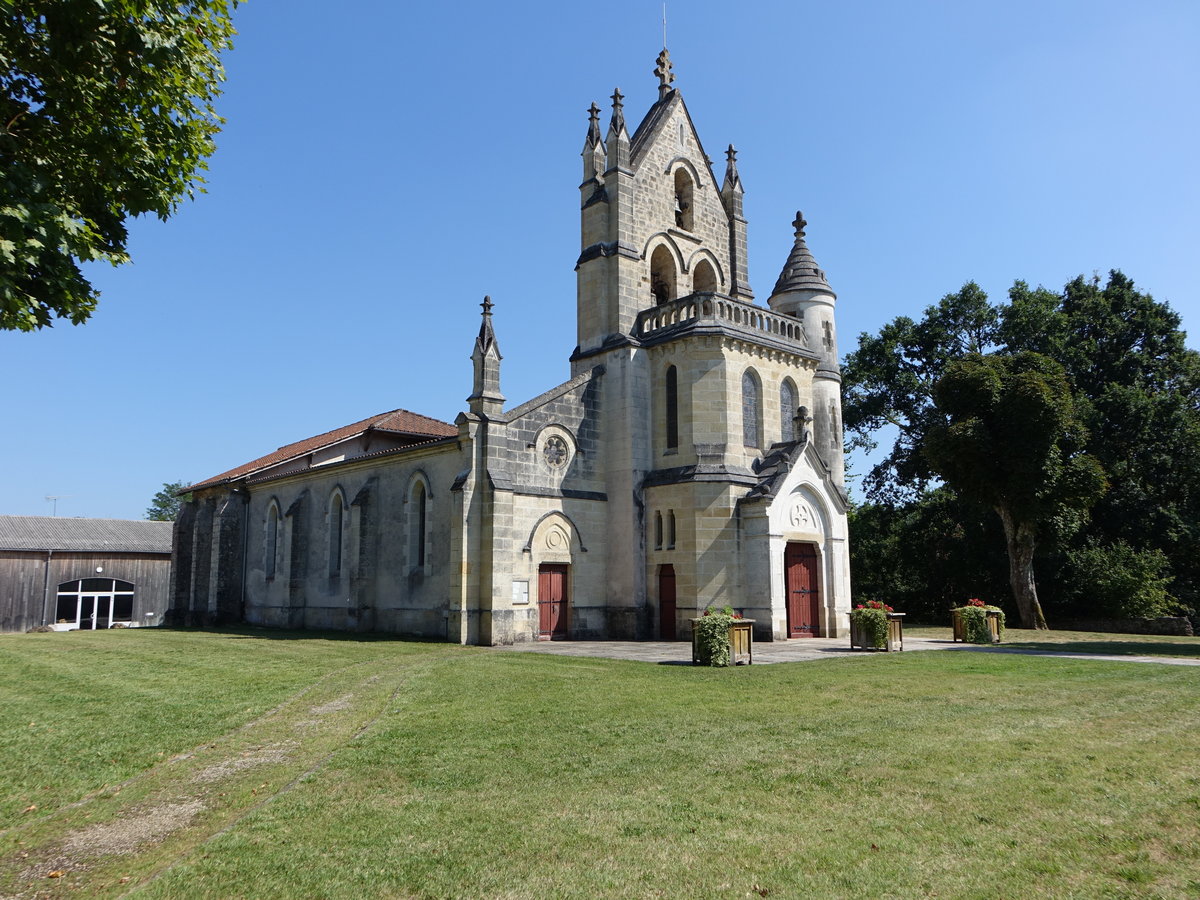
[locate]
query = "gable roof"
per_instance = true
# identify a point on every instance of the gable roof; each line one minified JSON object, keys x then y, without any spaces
{"x":104,"y":535}
{"x":399,"y":422}
{"x":653,"y":123}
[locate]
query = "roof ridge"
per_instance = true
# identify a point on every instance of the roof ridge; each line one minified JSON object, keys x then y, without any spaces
{"x":305,"y":446}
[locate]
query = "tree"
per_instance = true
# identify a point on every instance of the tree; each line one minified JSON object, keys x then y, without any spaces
{"x":166,"y":503}
{"x":106,"y":112}
{"x":1136,"y":389}
{"x":1011,"y":438}
{"x":889,"y":381}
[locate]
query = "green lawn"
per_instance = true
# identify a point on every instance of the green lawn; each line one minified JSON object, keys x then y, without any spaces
{"x":1085,"y":642}
{"x":186,"y":764}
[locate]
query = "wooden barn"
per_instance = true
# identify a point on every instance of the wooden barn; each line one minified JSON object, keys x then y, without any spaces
{"x":82,"y":573}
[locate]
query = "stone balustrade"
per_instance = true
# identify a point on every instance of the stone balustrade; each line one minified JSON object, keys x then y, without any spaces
{"x":703,"y":308}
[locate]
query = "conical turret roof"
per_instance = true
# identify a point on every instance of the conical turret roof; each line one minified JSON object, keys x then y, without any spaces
{"x":801,"y":272}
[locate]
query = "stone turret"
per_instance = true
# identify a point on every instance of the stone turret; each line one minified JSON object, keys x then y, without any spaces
{"x":803,"y":291}
{"x":486,"y":399}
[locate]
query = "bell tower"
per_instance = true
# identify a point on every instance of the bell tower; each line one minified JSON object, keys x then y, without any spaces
{"x":655,"y":225}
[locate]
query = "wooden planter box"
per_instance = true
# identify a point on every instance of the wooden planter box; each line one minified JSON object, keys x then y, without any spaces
{"x":860,"y":640}
{"x":741,"y":644}
{"x":993,"y":624}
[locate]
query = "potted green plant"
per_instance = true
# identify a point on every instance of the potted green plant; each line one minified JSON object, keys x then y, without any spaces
{"x":876,"y":626}
{"x":721,"y":637}
{"x":976,"y":622}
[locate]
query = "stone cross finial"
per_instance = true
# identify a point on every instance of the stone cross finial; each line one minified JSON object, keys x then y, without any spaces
{"x":618,"y":116}
{"x":800,"y":224}
{"x":664,"y":73}
{"x":487,"y":305}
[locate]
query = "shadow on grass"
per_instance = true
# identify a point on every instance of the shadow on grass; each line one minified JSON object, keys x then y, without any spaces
{"x":1183,"y":648}
{"x":245,"y":632}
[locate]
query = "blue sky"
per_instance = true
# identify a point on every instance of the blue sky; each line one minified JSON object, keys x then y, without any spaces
{"x":385,"y":166}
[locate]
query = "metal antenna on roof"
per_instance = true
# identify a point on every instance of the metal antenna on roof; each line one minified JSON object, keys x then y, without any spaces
{"x":54,"y":500}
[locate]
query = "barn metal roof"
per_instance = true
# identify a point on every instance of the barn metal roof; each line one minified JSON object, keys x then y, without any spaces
{"x":102,"y":535}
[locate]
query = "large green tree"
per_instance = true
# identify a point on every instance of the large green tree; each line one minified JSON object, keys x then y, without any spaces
{"x":1136,"y":389}
{"x":106,"y":112}
{"x":1009,"y":436}
{"x":889,"y":383}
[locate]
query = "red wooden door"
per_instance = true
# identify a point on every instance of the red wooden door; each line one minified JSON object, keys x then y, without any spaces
{"x":666,"y":603}
{"x":552,"y":602}
{"x":803,"y":590}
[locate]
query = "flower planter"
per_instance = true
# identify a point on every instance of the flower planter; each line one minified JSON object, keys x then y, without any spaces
{"x":960,"y":625}
{"x":860,"y":638}
{"x":741,"y":645}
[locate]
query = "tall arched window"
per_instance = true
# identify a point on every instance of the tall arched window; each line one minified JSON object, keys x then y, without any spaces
{"x":672,"y":405}
{"x":658,"y":531}
{"x":683,"y":199}
{"x":418,"y":524}
{"x":751,"y":410}
{"x":705,"y":278}
{"x":271,"y":541}
{"x":337,"y":517}
{"x":787,"y":410}
{"x":663,"y":278}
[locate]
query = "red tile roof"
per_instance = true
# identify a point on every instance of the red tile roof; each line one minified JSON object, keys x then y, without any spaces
{"x":398,"y":421}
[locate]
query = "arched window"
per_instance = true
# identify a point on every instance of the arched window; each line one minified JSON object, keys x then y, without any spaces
{"x":658,"y":531}
{"x":418,"y":524}
{"x":705,"y":278}
{"x":337,"y":517}
{"x":787,"y":410}
{"x":683,"y":199}
{"x":271,"y":541}
{"x":835,"y":434}
{"x":663,"y":279}
{"x":672,"y":410}
{"x":670,"y":529}
{"x":751,"y":410}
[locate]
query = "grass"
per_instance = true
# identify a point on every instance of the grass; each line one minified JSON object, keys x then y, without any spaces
{"x":1085,"y":642}
{"x":338,"y":768}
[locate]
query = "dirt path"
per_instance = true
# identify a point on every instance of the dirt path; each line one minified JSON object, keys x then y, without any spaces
{"x":120,"y":839}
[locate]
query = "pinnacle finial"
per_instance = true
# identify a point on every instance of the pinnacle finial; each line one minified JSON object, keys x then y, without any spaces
{"x":593,"y":124}
{"x":800,"y":224}
{"x":487,"y":335}
{"x":664,"y":73}
{"x":732,"y":181}
{"x":618,"y":116}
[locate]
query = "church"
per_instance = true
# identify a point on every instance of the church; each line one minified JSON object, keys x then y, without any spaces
{"x":693,"y":459}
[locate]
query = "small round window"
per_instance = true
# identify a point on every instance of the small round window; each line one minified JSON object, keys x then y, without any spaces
{"x":555,"y":452}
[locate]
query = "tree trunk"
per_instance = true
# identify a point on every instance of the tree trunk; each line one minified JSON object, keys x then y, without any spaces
{"x":1021,"y":541}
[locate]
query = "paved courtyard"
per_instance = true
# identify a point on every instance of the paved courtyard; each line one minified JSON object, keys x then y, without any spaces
{"x":679,"y":653}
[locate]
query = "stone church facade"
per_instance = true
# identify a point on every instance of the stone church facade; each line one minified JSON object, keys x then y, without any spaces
{"x":693,"y":459}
